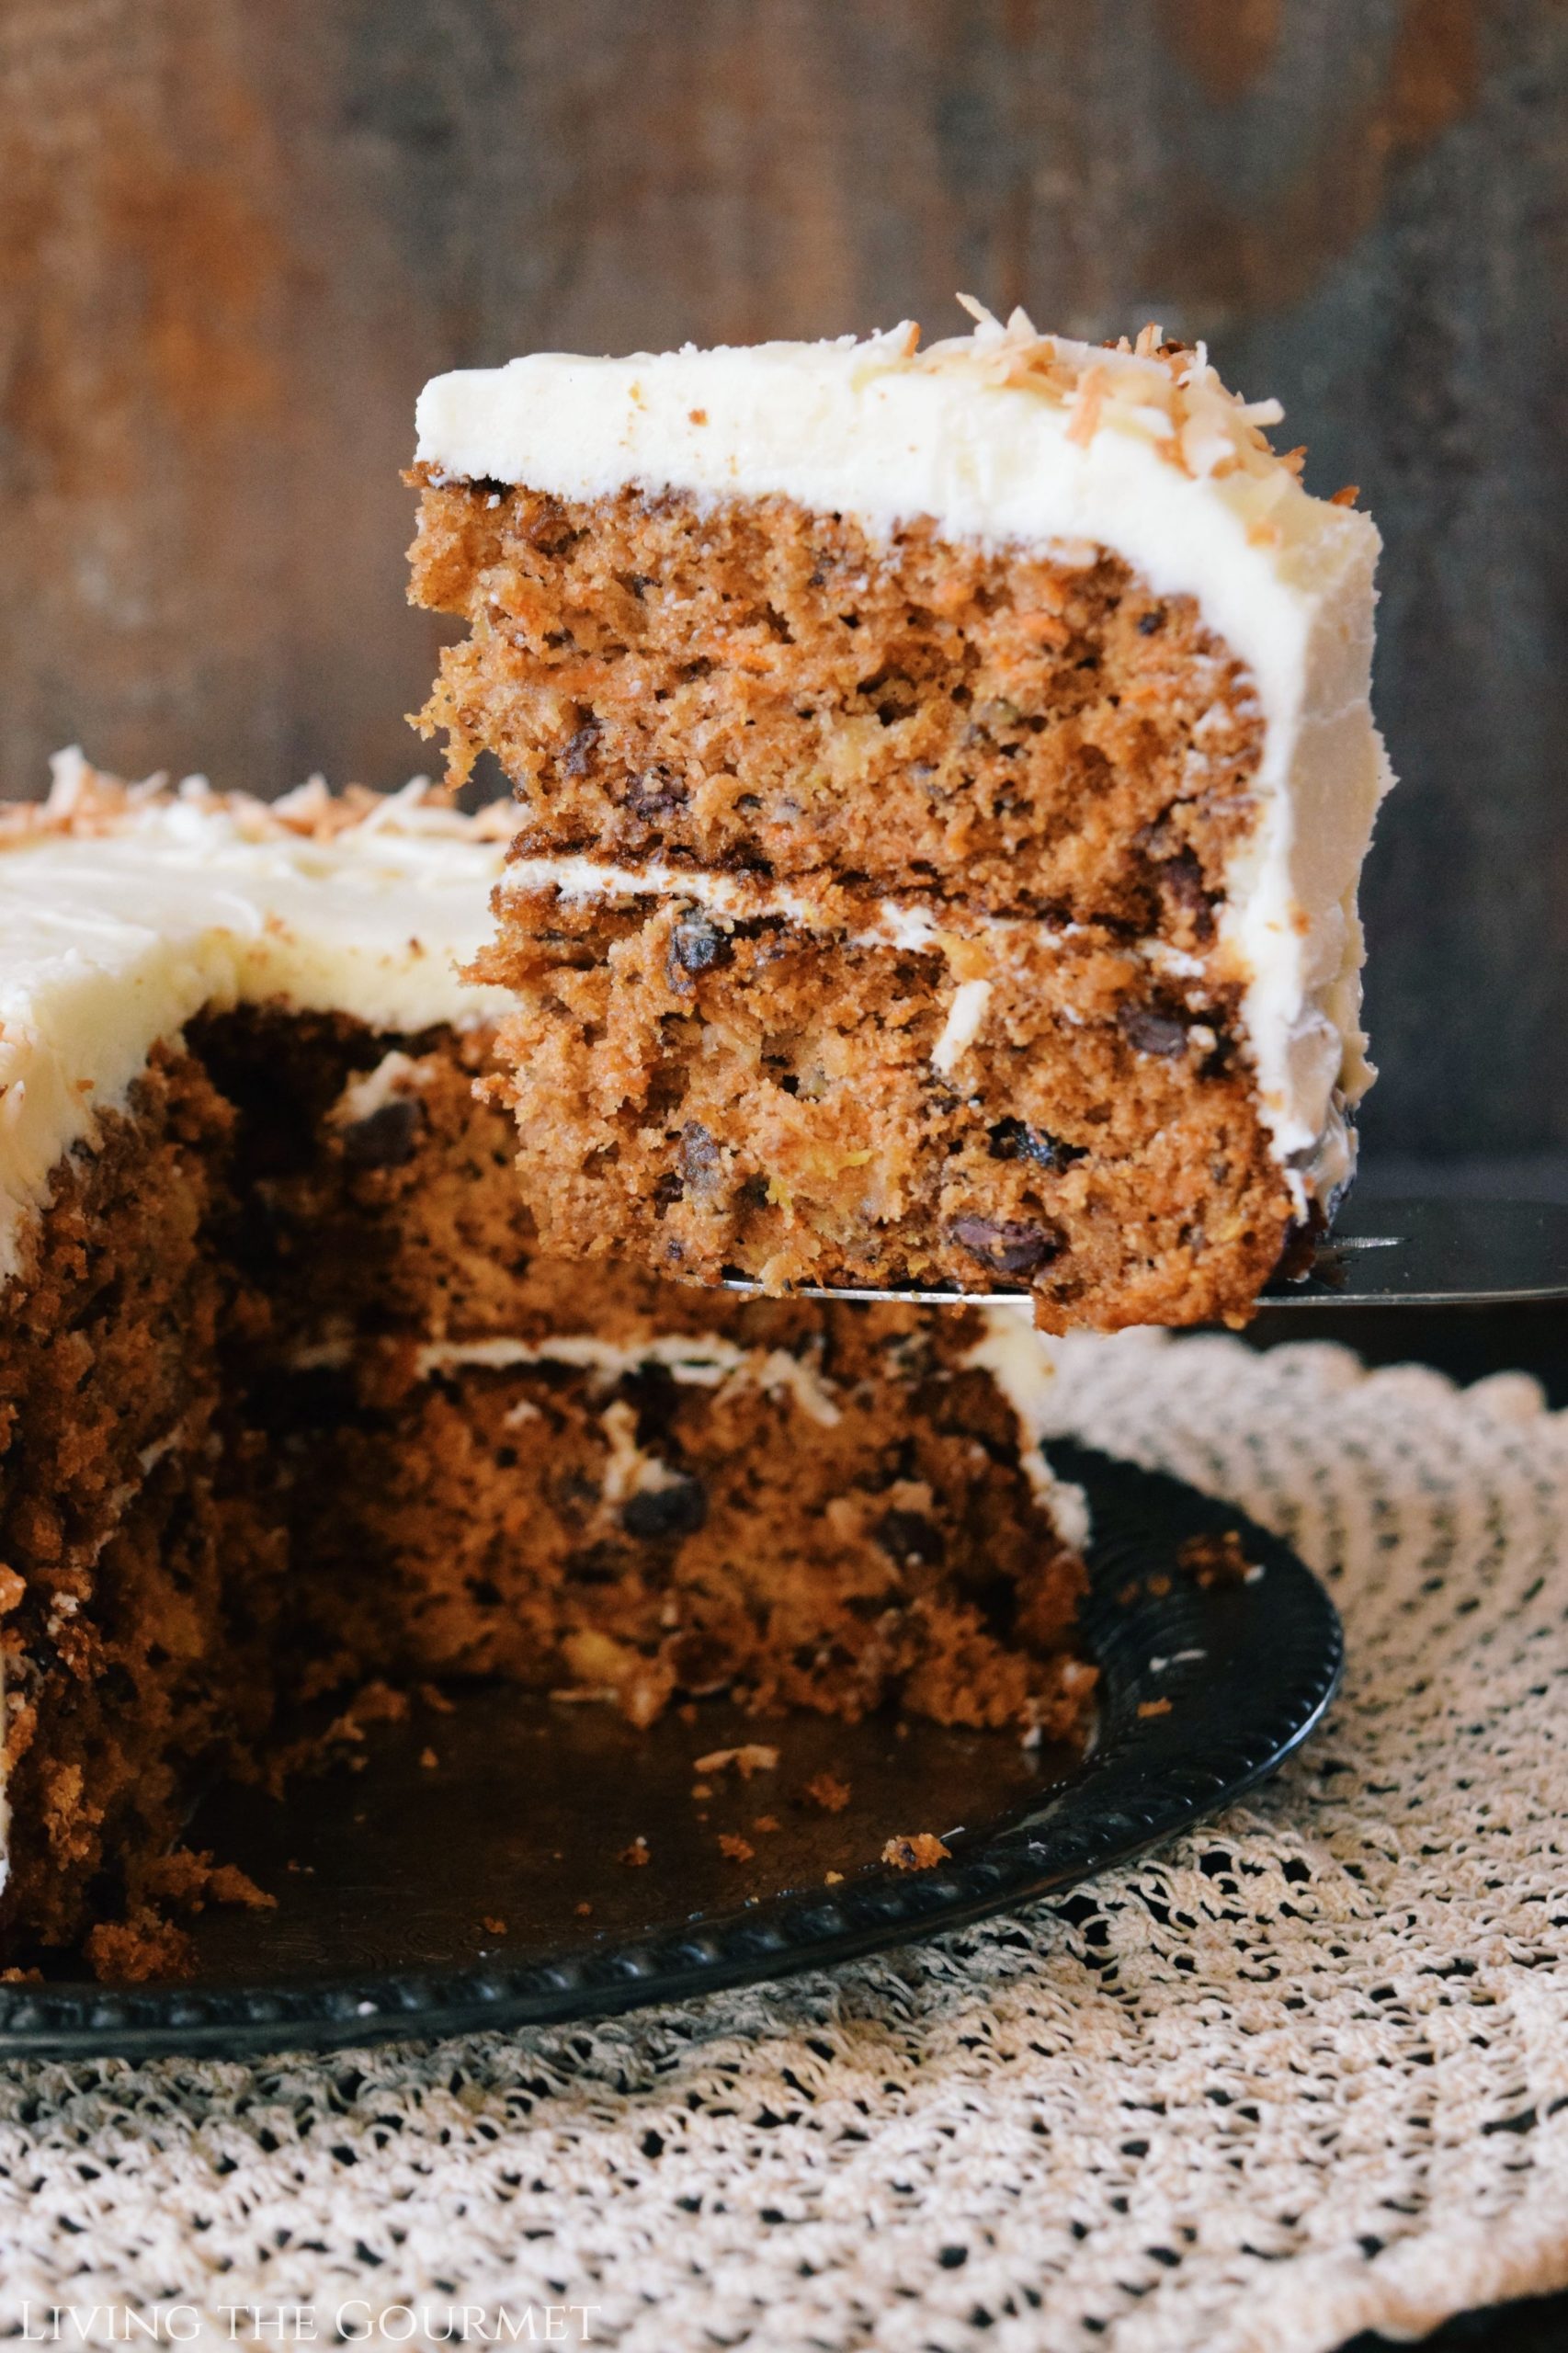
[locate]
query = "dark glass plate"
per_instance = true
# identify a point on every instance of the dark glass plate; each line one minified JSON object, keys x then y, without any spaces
{"x":441,"y":1888}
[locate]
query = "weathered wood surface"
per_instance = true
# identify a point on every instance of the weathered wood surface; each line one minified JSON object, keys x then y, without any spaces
{"x":236,"y":234}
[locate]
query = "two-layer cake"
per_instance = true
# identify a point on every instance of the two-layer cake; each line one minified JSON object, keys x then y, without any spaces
{"x":944,"y":780}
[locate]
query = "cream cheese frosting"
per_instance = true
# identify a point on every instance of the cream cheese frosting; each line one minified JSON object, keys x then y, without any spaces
{"x":125,"y":911}
{"x":1011,"y":437}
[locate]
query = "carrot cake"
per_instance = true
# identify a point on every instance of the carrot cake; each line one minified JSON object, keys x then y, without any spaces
{"x":289,"y":1399}
{"x":945,"y":777}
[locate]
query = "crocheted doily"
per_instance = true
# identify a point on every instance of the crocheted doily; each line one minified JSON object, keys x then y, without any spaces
{"x":1304,"y":2072}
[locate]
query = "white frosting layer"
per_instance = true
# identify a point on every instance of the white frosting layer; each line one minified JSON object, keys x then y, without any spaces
{"x":124,"y":914}
{"x":1009,"y":436}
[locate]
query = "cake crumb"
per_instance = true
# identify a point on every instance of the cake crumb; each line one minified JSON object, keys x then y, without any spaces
{"x":1153,"y":1708}
{"x":375,"y":1703}
{"x":228,"y":1885}
{"x":833,"y":1878}
{"x":752,"y":1757}
{"x":1159,"y":1585}
{"x":432,"y":1696}
{"x":767,"y":1824}
{"x":190,"y":1880}
{"x":140,"y":1950}
{"x":700,"y":1791}
{"x":492,"y":1927}
{"x":180,"y":1877}
{"x":735,"y":1849}
{"x":1215,"y":1560}
{"x":921,"y":1853}
{"x":637,"y":1854}
{"x":583,"y":1911}
{"x":429,"y":1759}
{"x":827,"y":1791}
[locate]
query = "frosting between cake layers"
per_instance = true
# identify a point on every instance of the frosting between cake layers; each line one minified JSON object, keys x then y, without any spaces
{"x":827,"y":907}
{"x":124,"y":912}
{"x":1010,"y":1353}
{"x":1009,"y":436}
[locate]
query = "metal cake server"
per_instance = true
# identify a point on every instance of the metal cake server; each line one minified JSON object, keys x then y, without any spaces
{"x":1380,"y":1253}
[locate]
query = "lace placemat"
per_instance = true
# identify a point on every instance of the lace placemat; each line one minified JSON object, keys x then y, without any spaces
{"x":1305,"y":2073}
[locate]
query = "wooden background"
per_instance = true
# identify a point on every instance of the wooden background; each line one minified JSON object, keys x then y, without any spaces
{"x":235,"y":235}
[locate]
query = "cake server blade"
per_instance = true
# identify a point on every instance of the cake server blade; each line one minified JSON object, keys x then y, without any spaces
{"x":1382,"y":1254}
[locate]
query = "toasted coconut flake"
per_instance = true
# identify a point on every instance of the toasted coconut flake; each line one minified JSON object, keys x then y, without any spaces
{"x":85,"y":801}
{"x":1086,"y":418}
{"x":1164,"y":390}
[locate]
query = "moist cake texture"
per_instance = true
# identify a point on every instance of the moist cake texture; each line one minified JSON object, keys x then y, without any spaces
{"x":290,"y":1398}
{"x":944,"y":777}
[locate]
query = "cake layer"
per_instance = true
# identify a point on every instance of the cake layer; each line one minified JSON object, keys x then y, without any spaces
{"x":779,"y":692}
{"x":669,"y":620}
{"x":857,"y":1095}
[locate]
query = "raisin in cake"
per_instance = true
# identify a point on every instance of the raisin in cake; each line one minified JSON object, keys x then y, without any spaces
{"x":288,"y":1398}
{"x":945,"y":776}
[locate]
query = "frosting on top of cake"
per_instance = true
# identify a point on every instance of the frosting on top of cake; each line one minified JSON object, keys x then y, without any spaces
{"x":1012,"y":436}
{"x":126,"y":910}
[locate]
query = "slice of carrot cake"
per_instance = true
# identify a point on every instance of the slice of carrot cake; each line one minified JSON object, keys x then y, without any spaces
{"x":946,"y":776}
{"x":289,"y":1399}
